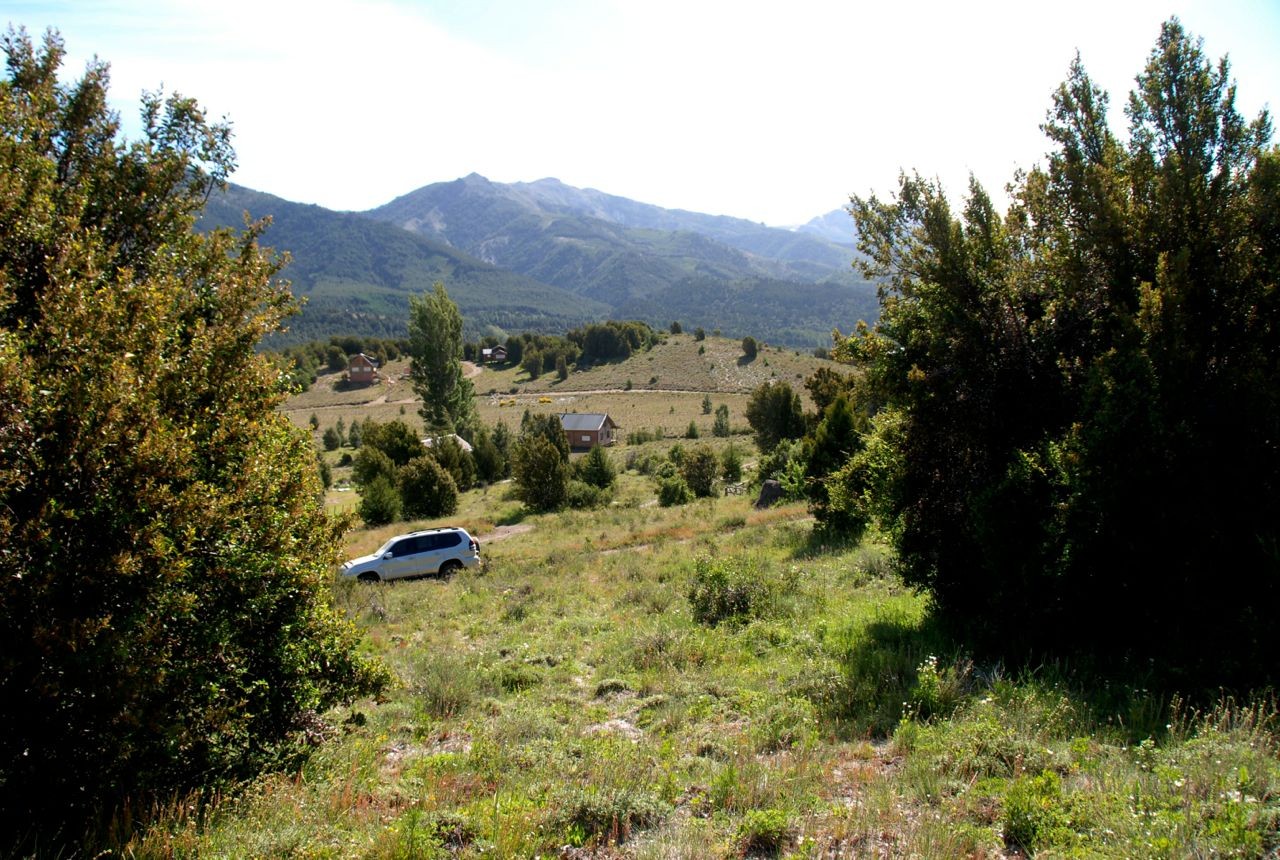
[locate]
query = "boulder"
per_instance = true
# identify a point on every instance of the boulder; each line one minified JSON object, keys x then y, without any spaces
{"x":770,"y":492}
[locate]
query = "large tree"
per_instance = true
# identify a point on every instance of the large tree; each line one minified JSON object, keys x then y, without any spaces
{"x":435,"y":342}
{"x":1083,"y":397}
{"x":164,"y":613}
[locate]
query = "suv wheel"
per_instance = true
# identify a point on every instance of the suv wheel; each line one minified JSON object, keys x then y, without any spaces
{"x":370,"y":576}
{"x":449,"y":568}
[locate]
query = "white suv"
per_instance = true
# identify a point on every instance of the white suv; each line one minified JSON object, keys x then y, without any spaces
{"x":440,"y":551}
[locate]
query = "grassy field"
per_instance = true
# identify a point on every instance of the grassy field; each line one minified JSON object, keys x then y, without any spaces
{"x":713,"y":680}
{"x":667,"y":386}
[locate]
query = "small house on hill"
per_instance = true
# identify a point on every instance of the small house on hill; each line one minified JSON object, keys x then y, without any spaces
{"x":497,"y":355}
{"x":362,"y":370}
{"x":586,"y":429}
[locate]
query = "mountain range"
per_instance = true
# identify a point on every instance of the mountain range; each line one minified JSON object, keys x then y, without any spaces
{"x":545,"y":256}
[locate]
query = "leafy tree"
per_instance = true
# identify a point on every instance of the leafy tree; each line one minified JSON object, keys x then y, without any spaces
{"x":706,"y":404}
{"x":676,"y":328}
{"x":164,"y":619}
{"x":720,"y":426}
{"x":825,"y":385}
{"x":532,"y":363}
{"x":774,"y":413}
{"x":673,"y":491}
{"x":699,"y":333}
{"x":426,"y":489}
{"x":370,"y":463}
{"x":691,"y":432}
{"x":596,"y":469}
{"x":550,"y":428}
{"x":1087,"y":390}
{"x":491,"y":463}
{"x":336,"y":359}
{"x":331,"y":439}
{"x":355,"y":436}
{"x":540,"y":472}
{"x":836,"y":438}
{"x":435,"y":344}
{"x":380,"y":501}
{"x":395,"y":438}
{"x":455,"y":459}
{"x":502,"y":441}
{"x":562,"y":368}
{"x":749,"y":348}
{"x":699,"y":469}
{"x":731,"y":464}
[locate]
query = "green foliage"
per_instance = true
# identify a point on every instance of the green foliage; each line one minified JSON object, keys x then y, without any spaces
{"x":332,"y":441}
{"x":749,"y":348}
{"x":395,"y":438}
{"x":490,"y":460}
{"x":672,"y":491}
{"x":541,"y":471}
{"x":691,"y":432}
{"x":834,"y":441}
{"x":706,"y":404}
{"x":164,"y":618}
{"x":698,"y":468}
{"x":435,"y":342}
{"x":731,"y":464}
{"x":596,"y":469}
{"x":427,"y":489}
{"x":720,"y":427}
{"x":1087,"y":385}
{"x":786,"y":465}
{"x":763,"y":832}
{"x":581,"y":495}
{"x":728,"y":589}
{"x":606,"y":815}
{"x":774,"y":413}
{"x":456,"y":460}
{"x":380,"y":502}
{"x":370,"y":463}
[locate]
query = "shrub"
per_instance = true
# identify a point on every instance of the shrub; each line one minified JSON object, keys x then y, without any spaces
{"x":332,"y":441}
{"x":763,"y":832}
{"x":379,"y":502}
{"x":749,"y":347}
{"x":673,"y":491}
{"x":540,"y":472}
{"x":582,"y":496}
{"x":720,"y":427}
{"x":691,"y":432}
{"x":724,"y":589}
{"x":610,"y":815}
{"x":370,"y":463}
{"x":731,"y":464}
{"x":596,"y":469}
{"x":426,"y":489}
{"x":699,"y":468}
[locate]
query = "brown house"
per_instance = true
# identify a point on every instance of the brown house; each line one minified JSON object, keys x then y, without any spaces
{"x":497,"y":355}
{"x":586,"y":429}
{"x":362,"y":370}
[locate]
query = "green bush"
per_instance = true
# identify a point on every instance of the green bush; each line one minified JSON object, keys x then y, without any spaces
{"x":580,"y":495}
{"x":725,"y":589}
{"x":764,"y":832}
{"x":596,"y":469}
{"x":165,"y":606}
{"x":379,"y":502}
{"x":673,"y":491}
{"x":426,"y":489}
{"x":699,"y":468}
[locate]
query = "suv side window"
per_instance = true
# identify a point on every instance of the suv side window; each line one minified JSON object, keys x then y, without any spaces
{"x":408,"y":546}
{"x":450,"y":539}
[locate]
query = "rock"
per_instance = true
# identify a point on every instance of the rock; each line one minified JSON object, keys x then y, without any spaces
{"x":770,"y":492}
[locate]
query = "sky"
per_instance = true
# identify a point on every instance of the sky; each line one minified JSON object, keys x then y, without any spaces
{"x":772,"y":111}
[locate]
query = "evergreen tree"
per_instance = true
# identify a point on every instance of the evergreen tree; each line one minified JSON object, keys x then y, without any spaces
{"x":1084,"y":395}
{"x":165,"y":622}
{"x":435,"y":342}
